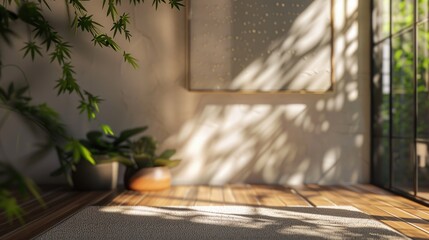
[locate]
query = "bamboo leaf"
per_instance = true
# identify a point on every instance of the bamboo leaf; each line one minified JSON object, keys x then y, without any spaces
{"x":3,"y":96}
{"x":105,"y":41}
{"x":177,"y":4}
{"x":21,"y":91}
{"x":85,"y":23}
{"x":10,"y":207}
{"x":34,"y":190}
{"x":130,"y":59}
{"x":32,"y":48}
{"x":77,"y":4}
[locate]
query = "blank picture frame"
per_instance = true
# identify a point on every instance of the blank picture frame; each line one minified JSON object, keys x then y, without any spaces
{"x":260,"y":46}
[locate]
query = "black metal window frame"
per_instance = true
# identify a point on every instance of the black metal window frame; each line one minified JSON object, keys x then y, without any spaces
{"x":391,"y":35}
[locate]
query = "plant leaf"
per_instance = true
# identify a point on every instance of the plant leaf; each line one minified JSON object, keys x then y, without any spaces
{"x":94,"y":136}
{"x":85,"y":23}
{"x":10,"y":207}
{"x":130,"y":59}
{"x":73,"y":146}
{"x":144,"y":162}
{"x":34,"y":190}
{"x":105,"y":41}
{"x":167,"y":154}
{"x":126,"y":134}
{"x":32,"y":48}
{"x":166,"y":162}
{"x":77,"y":5}
{"x":86,"y":154}
{"x":107,"y":130}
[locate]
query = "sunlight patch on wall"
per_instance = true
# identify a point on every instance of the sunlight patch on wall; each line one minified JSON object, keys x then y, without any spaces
{"x":330,"y":159}
{"x":359,"y":139}
{"x":297,"y":176}
{"x":291,"y":140}
{"x":233,"y":142}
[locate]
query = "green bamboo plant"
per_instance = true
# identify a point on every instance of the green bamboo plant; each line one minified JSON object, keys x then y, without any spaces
{"x":44,"y":40}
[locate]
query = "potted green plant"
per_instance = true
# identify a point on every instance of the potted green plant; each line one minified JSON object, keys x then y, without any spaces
{"x":149,"y":172}
{"x":102,"y":152}
{"x":40,"y":38}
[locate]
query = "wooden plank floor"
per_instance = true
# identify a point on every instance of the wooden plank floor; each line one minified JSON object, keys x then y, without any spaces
{"x":60,"y":203}
{"x":406,"y":216}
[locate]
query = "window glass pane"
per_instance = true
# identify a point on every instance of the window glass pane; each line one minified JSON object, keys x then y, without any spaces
{"x":422,"y":157}
{"x":403,"y":87}
{"x":422,"y":110}
{"x":422,"y":82}
{"x":403,"y":164}
{"x":381,"y":89}
{"x":402,"y":14}
{"x":396,"y":153}
{"x":381,"y":162}
{"x":422,"y":9}
{"x":381,"y":19}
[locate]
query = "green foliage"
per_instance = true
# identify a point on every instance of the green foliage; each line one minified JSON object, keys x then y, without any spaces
{"x":121,"y":26}
{"x":85,"y":23}
{"x":173,"y":3}
{"x":32,"y":48}
{"x":98,"y":143}
{"x":10,"y":207}
{"x":6,"y":16}
{"x":44,"y":40}
{"x":409,"y":94}
{"x":103,"y":40}
{"x":67,"y":83}
{"x":79,"y":151}
{"x":60,"y":51}
{"x":130,"y":59}
{"x":144,"y":154}
{"x":144,"y":147}
{"x":90,"y":106}
{"x":98,"y":147}
{"x":62,"y":54}
{"x":16,"y":100}
{"x":78,"y":6}
{"x":125,"y":135}
{"x":402,"y":15}
{"x":10,"y":178}
{"x":107,"y":130}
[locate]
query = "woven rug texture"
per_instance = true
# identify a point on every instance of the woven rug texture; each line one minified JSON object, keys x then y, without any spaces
{"x":219,"y":222}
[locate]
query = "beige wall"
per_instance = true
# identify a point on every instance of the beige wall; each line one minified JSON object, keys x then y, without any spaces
{"x":277,"y":138}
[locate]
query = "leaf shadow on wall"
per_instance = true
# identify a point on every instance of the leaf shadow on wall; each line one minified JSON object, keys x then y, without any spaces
{"x":282,"y":139}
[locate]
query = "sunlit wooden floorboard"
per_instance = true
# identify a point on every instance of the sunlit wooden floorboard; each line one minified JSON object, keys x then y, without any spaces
{"x":404,"y":215}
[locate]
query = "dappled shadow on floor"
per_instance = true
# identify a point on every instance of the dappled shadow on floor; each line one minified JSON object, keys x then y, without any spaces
{"x":220,"y":222}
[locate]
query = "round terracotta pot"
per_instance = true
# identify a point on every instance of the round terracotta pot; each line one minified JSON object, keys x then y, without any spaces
{"x":148,"y":179}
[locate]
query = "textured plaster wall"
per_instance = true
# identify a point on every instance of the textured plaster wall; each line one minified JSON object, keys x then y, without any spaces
{"x":263,"y":138}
